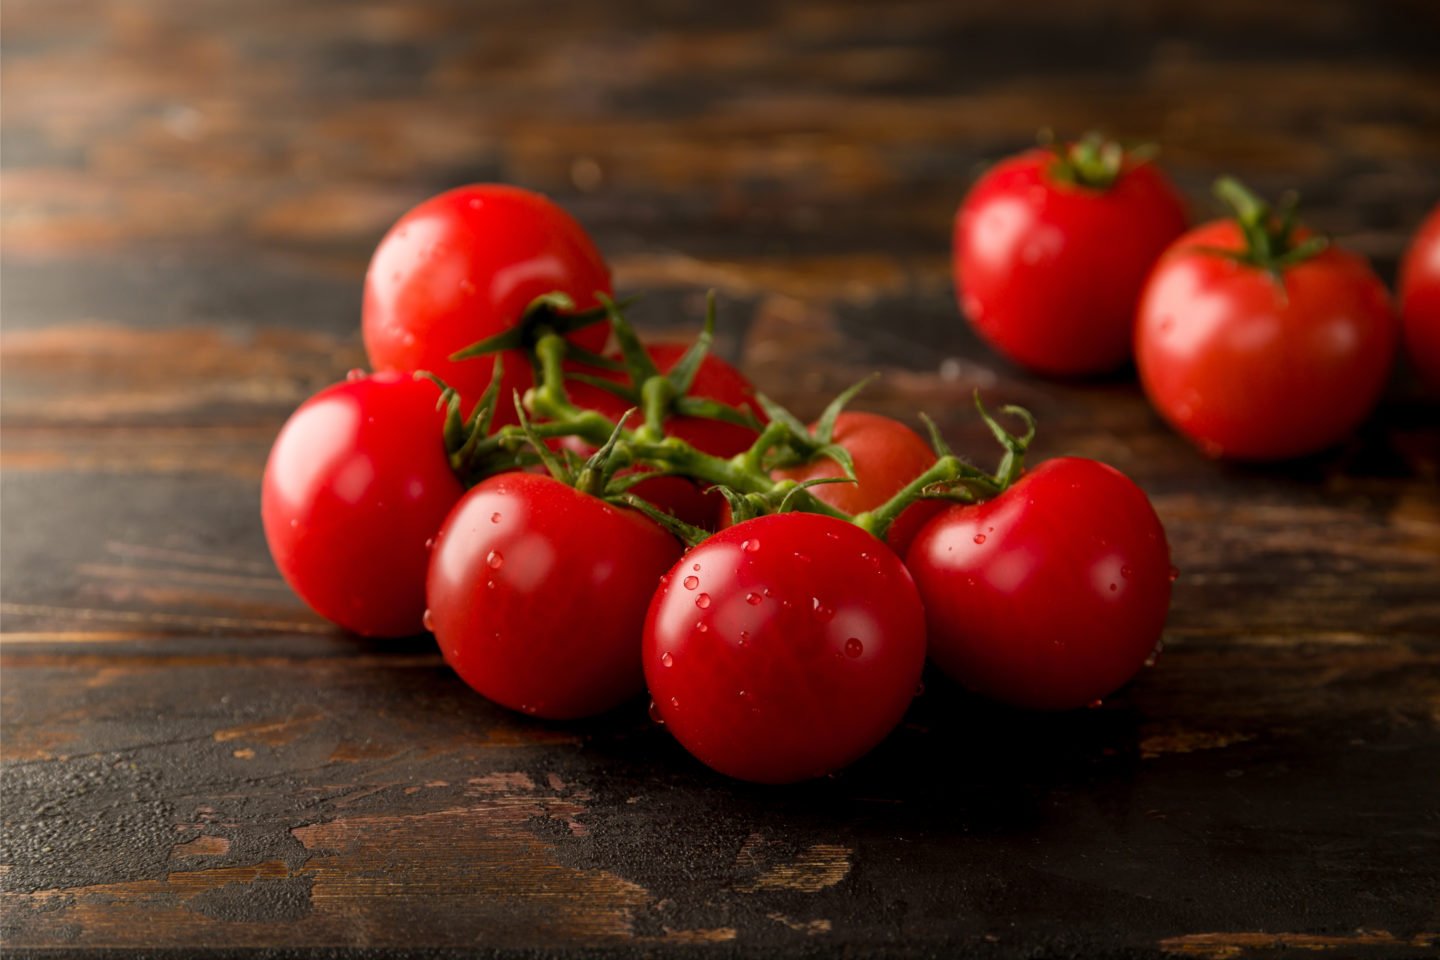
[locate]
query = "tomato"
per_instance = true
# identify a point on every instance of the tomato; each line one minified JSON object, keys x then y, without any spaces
{"x":1053,"y":594}
{"x":714,"y":380}
{"x":356,"y":485}
{"x":462,"y":267}
{"x":785,"y":647}
{"x":538,"y":595}
{"x":1420,"y":300}
{"x":1049,"y":270}
{"x":887,"y":455}
{"x":1254,"y":368}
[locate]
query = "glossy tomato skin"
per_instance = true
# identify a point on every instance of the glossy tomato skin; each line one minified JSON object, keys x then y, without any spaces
{"x":1050,"y":596}
{"x":887,"y":455}
{"x":785,"y":647}
{"x":538,"y":595}
{"x":715,"y":380}
{"x":1049,"y":272}
{"x":463,"y":266}
{"x":356,"y":485}
{"x":1420,"y":300}
{"x":1249,"y":371}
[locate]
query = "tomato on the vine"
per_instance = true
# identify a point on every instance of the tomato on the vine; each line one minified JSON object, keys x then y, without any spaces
{"x":886,"y":456}
{"x":538,"y":594}
{"x":784,"y":647}
{"x":1051,"y":249}
{"x":1051,"y":595}
{"x":1420,"y":299}
{"x":357,"y":484}
{"x":714,"y":380}
{"x":1259,"y":342}
{"x":462,"y":267}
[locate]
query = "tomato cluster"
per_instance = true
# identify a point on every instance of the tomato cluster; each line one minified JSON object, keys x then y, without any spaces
{"x":1254,"y":338}
{"x":576,"y":524}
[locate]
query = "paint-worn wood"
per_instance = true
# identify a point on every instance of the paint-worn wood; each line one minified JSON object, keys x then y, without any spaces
{"x":194,"y":763}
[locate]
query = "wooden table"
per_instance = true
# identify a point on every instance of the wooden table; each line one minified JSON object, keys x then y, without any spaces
{"x":193,"y":761}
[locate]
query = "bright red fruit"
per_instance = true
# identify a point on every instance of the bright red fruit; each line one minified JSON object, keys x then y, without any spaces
{"x":785,"y":647}
{"x":1049,"y":269}
{"x":1259,"y":365}
{"x":1420,"y":300}
{"x":538,"y":595}
{"x":1051,"y":595}
{"x":462,"y":267}
{"x":887,"y":455}
{"x":356,"y":485}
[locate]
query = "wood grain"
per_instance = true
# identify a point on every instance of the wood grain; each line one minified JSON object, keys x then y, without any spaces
{"x":195,"y":764}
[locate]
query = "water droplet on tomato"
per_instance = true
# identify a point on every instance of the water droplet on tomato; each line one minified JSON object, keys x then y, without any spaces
{"x":430,"y":543}
{"x":495,"y":559}
{"x":744,"y":637}
{"x":489,"y":584}
{"x":666,"y":660}
{"x":355,"y":374}
{"x":696,"y":568}
{"x":1174,"y":573}
{"x":1114,"y":587}
{"x":654,"y":712}
{"x":703,"y":601}
{"x":1095,"y":704}
{"x":674,"y":703}
{"x":752,"y":598}
{"x":822,"y":613}
{"x":750,"y":546}
{"x":801,"y":557}
{"x":691,"y":582}
{"x":979,"y":538}
{"x":701,"y":626}
{"x":494,"y":518}
{"x":428,"y":621}
{"x":853,"y":647}
{"x":1125,"y":572}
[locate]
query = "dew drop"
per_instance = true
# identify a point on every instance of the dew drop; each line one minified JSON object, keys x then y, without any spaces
{"x":1095,"y":704}
{"x":701,"y":626}
{"x":428,"y":621}
{"x":489,"y":584}
{"x":666,"y":660}
{"x":853,"y":647}
{"x":495,"y":559}
{"x":696,"y":568}
{"x":753,"y":598}
{"x":674,"y":703}
{"x":1114,"y":587}
{"x":1174,"y":573}
{"x":822,"y":613}
{"x":355,"y":374}
{"x":744,"y":637}
{"x":494,"y":518}
{"x":703,"y":601}
{"x":1125,"y":572}
{"x":654,"y":712}
{"x":691,"y":582}
{"x":430,"y":543}
{"x":979,"y":538}
{"x":750,"y":546}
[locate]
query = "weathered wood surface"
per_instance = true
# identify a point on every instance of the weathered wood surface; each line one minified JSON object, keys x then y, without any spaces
{"x":194,"y":763}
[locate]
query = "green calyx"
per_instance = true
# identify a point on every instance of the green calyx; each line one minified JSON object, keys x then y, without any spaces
{"x":1092,"y":162}
{"x":1270,"y":233}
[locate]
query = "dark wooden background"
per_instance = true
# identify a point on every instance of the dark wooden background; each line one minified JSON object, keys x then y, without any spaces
{"x":193,"y":762}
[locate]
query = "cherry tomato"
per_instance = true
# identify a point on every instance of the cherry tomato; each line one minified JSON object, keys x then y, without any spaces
{"x":356,"y":485}
{"x":1420,"y":300}
{"x":1253,"y":367}
{"x":785,"y":647}
{"x":538,"y":595}
{"x":463,"y":266}
{"x":1049,"y":269}
{"x":887,"y":455}
{"x":714,"y":380}
{"x":1051,"y":595}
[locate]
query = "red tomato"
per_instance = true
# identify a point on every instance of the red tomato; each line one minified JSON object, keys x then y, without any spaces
{"x":1420,"y":300}
{"x":463,"y":266}
{"x":715,"y":380}
{"x":887,"y":455}
{"x":1253,"y":368}
{"x":785,"y":647}
{"x":1049,"y":271}
{"x":1051,"y":595}
{"x":538,"y":594}
{"x":356,"y":485}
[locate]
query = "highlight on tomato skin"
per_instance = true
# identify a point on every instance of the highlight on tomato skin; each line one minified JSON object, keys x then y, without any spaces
{"x":538,"y":593}
{"x":356,"y":485}
{"x":1051,"y":596}
{"x":463,"y":266}
{"x":784,"y":648}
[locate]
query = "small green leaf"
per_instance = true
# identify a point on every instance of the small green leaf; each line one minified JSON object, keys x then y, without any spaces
{"x":825,"y":426}
{"x":682,"y":374}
